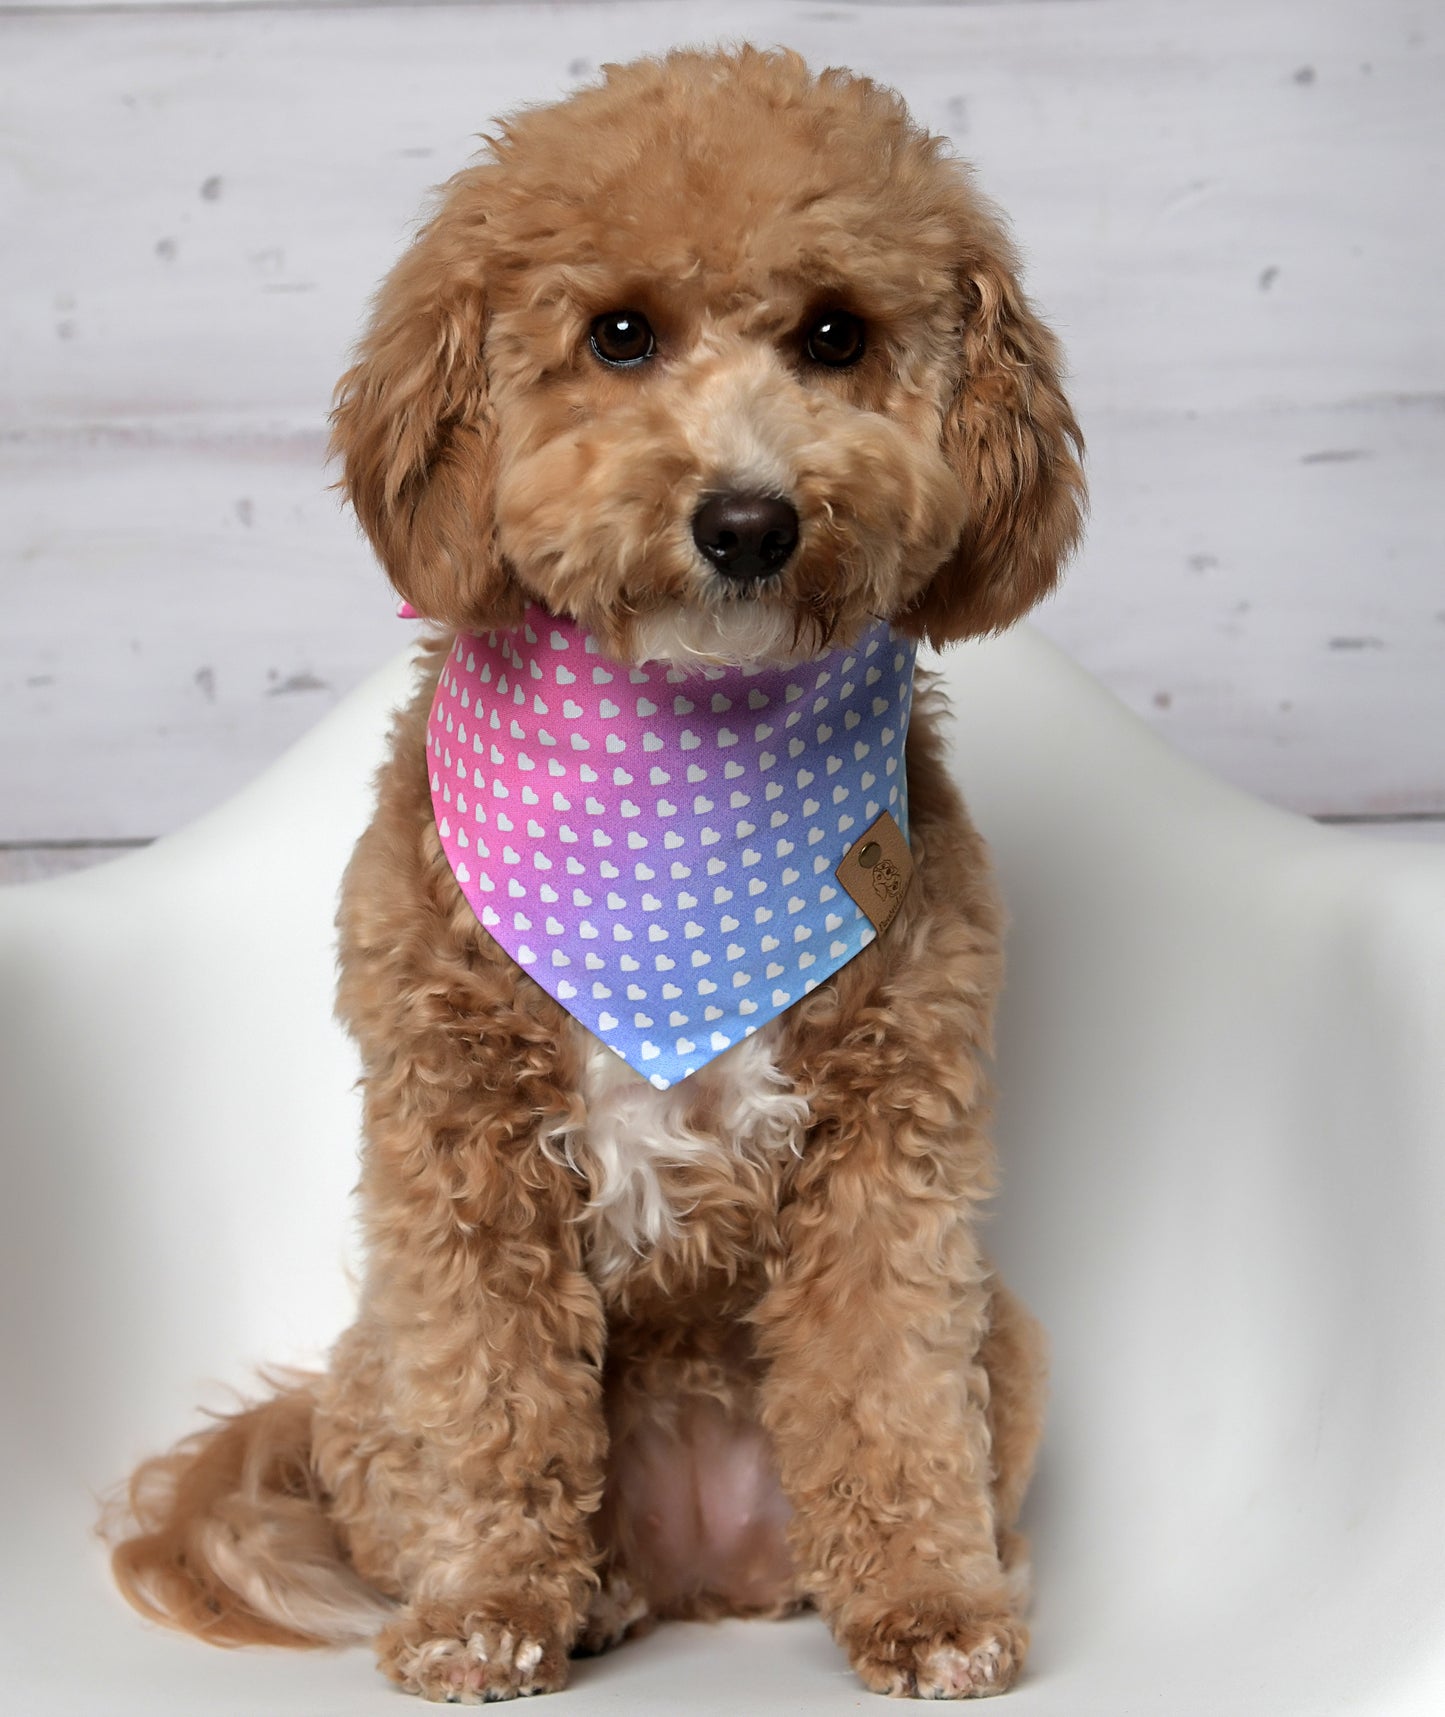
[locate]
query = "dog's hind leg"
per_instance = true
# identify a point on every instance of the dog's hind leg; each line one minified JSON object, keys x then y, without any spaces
{"x":694,"y":1520}
{"x":1014,"y":1354}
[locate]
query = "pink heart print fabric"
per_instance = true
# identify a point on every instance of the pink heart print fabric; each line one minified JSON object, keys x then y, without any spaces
{"x":656,"y":846}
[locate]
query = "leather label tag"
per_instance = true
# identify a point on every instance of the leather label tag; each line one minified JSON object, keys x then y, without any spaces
{"x":876,"y":870}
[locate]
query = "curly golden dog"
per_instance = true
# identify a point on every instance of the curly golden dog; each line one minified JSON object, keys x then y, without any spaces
{"x":718,"y":362}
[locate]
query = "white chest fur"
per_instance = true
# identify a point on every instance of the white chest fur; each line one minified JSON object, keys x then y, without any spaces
{"x":740,"y":1105}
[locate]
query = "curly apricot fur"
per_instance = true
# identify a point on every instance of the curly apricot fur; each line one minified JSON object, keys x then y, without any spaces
{"x":529,"y":1442}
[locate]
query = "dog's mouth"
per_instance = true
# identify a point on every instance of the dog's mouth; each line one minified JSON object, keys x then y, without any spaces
{"x":762,"y":590}
{"x":733,"y":608}
{"x":728,"y":628}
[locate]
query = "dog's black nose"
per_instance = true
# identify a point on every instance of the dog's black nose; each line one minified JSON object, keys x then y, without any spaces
{"x":745,"y":536}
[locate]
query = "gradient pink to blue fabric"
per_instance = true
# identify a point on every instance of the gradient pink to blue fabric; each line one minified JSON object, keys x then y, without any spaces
{"x":657,"y":847}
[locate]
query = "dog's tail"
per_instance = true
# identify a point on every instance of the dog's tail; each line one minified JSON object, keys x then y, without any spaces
{"x":228,"y":1536}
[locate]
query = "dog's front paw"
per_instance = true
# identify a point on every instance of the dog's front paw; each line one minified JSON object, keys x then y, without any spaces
{"x":469,"y":1654}
{"x":936,"y":1648}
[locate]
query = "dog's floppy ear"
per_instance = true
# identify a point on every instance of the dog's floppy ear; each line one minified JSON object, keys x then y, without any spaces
{"x":1011,"y":437}
{"x":413,"y":427}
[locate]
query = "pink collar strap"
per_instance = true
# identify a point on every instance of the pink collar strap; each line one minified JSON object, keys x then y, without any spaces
{"x":657,"y":847}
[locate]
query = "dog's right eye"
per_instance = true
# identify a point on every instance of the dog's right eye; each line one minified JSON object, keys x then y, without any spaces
{"x":837,"y":338}
{"x":622,"y":337}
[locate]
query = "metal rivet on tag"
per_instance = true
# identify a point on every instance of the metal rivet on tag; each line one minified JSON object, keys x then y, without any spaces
{"x":870,"y":855}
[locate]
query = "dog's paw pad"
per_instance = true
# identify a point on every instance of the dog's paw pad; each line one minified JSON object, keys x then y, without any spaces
{"x":951,"y":1672}
{"x":937,"y":1651}
{"x":482,"y":1661}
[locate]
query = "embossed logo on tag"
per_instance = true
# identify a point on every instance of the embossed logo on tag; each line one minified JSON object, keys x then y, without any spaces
{"x":876,"y":870}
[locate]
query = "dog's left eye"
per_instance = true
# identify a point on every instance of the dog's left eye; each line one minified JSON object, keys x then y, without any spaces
{"x":836,"y":338}
{"x":622,"y":337}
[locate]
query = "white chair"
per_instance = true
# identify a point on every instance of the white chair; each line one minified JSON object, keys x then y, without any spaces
{"x":1222,"y":1064}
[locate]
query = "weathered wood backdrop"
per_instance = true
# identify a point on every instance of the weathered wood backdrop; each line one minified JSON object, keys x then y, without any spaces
{"x":1232,"y":211}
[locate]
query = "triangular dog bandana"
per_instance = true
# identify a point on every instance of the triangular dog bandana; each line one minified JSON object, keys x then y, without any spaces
{"x":655,"y":846}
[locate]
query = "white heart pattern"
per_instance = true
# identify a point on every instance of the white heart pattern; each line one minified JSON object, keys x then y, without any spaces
{"x":842,"y":722}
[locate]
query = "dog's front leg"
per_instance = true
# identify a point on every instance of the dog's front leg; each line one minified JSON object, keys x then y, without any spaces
{"x":876,"y":1402}
{"x":471,"y":1382}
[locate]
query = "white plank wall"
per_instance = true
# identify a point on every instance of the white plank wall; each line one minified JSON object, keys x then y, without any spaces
{"x":1232,"y":212}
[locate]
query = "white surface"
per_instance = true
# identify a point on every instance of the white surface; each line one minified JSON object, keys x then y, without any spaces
{"x":1228,"y":210}
{"x":1223,"y":1129}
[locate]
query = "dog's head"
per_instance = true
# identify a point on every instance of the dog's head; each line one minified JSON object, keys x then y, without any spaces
{"x":715,"y":357}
